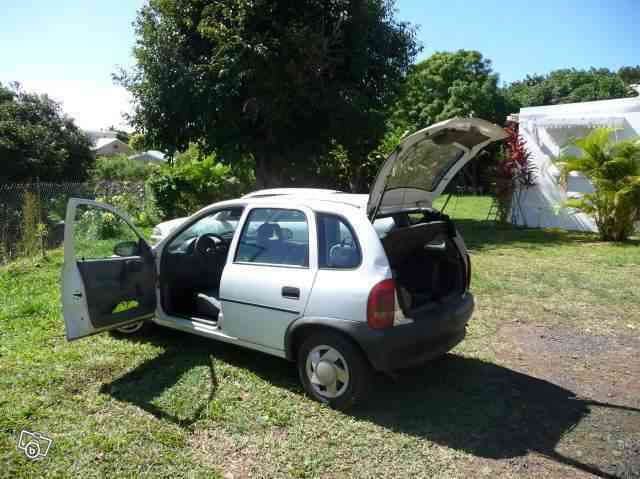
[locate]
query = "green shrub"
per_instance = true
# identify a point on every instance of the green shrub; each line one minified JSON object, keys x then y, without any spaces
{"x":33,"y":230}
{"x":138,"y":205}
{"x":614,"y":170}
{"x":96,"y":224}
{"x":121,"y":168}
{"x":195,"y":181}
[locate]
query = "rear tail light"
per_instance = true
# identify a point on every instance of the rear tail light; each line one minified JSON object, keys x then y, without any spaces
{"x":381,"y":305}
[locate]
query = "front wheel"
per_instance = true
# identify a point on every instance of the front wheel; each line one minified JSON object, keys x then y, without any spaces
{"x":333,"y":370}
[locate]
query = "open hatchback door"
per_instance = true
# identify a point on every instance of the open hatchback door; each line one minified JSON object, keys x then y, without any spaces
{"x":424,"y":163}
{"x":109,"y":272}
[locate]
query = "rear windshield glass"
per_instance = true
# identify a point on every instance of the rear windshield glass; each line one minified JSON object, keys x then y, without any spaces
{"x":424,"y":165}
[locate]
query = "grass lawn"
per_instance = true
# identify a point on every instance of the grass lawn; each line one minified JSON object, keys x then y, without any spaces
{"x":545,"y":385}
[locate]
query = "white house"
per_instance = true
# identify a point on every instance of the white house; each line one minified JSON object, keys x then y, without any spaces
{"x":151,"y":156}
{"x":95,"y":135}
{"x":110,"y":147}
{"x":547,"y":129}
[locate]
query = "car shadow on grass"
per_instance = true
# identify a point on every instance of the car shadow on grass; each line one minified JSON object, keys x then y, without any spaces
{"x":463,"y":403}
{"x":147,"y":384}
{"x":483,"y":409}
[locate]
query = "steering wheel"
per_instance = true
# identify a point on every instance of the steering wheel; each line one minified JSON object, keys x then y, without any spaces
{"x":211,"y":244}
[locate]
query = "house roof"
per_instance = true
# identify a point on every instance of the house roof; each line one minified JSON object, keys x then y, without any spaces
{"x":95,"y":134}
{"x":150,"y":155}
{"x":102,"y":142}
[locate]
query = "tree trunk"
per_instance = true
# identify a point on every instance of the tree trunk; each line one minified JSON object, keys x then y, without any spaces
{"x":266,"y":174}
{"x":262,"y":180}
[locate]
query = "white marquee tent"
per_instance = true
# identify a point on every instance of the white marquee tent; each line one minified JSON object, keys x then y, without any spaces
{"x":547,"y":129}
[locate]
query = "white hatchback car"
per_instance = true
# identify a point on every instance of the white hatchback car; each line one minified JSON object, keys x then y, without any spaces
{"x":342,"y":284}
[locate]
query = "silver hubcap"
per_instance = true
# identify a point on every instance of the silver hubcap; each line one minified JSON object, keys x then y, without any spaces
{"x":131,"y":328}
{"x":327,"y":371}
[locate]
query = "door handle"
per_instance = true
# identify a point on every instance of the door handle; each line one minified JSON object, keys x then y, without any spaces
{"x":76,"y":294}
{"x":290,"y":292}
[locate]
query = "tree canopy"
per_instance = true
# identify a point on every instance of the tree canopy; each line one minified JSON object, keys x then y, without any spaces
{"x":276,"y":80}
{"x":630,"y":75}
{"x":37,"y":140}
{"x":568,"y":86}
{"x":449,"y":84}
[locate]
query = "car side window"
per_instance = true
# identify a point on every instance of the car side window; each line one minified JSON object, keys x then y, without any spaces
{"x":275,"y":236}
{"x":222,"y":223}
{"x":98,"y":232}
{"x":337,"y":244}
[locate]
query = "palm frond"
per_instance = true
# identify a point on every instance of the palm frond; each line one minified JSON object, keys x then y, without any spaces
{"x":614,"y":170}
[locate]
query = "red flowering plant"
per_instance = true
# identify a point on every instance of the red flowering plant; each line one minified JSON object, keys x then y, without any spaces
{"x":514,"y":172}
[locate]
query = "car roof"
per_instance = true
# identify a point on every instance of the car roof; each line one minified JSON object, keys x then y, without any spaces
{"x":290,"y":191}
{"x":316,"y":199}
{"x":351,"y":200}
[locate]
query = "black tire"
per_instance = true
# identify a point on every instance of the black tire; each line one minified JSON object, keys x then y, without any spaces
{"x":144,"y":329}
{"x":359,"y":370}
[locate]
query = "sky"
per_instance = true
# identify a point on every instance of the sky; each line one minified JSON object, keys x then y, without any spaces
{"x":70,"y":48}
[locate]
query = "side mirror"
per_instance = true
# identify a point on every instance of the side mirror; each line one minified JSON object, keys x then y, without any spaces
{"x":126,"y":248}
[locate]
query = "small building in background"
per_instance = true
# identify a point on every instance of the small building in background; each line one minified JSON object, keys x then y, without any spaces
{"x":547,"y":130}
{"x":95,"y":135}
{"x":110,"y":147}
{"x":151,"y":156}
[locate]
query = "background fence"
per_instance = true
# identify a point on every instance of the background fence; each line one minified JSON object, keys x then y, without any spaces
{"x":32,"y":214}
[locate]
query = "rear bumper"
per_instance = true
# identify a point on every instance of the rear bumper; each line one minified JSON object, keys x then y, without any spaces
{"x":415,"y":343}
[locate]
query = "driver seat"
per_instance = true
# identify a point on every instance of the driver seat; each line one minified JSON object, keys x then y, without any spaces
{"x":208,"y":304}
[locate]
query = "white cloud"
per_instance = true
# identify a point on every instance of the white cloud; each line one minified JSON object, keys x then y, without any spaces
{"x":92,"y":105}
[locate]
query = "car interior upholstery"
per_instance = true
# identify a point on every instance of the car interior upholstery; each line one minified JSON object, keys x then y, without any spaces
{"x":192,"y":266}
{"x":425,"y":262}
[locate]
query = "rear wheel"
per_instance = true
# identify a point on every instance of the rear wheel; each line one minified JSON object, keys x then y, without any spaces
{"x":333,"y":370}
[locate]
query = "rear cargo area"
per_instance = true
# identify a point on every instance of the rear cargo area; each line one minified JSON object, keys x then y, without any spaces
{"x":427,"y":265}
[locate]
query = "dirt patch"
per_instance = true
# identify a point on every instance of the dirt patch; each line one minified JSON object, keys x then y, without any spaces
{"x":598,"y":367}
{"x":603,"y":372}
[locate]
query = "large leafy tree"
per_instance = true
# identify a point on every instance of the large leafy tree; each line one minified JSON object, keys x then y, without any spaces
{"x":567,"y":86}
{"x":446,"y":85}
{"x":614,"y":170}
{"x":630,"y":75}
{"x":278,"y":80}
{"x":449,"y":84}
{"x":38,"y":141}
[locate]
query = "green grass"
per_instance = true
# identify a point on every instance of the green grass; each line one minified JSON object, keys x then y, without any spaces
{"x":176,"y":405}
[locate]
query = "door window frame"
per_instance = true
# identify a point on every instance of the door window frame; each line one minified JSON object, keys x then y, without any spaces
{"x":73,"y":283}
